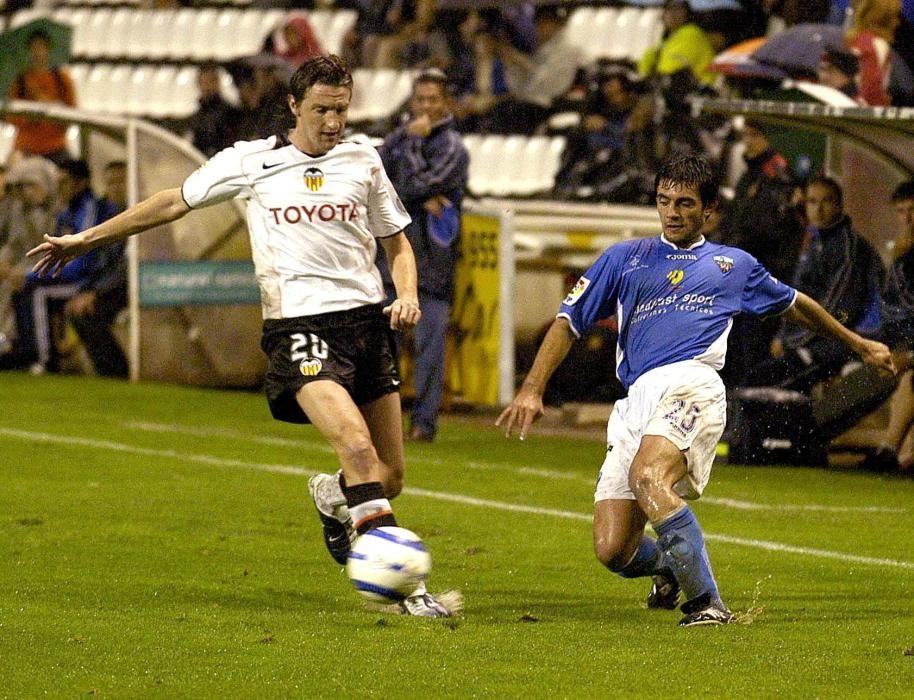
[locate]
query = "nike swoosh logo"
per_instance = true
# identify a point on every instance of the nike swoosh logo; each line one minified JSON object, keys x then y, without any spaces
{"x":272,"y":165}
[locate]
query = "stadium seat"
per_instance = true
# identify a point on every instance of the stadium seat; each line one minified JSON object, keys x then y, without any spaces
{"x":378,"y":93}
{"x":114,"y":42}
{"x":578,"y":28}
{"x":139,"y":34}
{"x":340,"y":23}
{"x":113,"y":100}
{"x":224,"y":40}
{"x":79,"y":73}
{"x":204,"y":36}
{"x":248,"y":39}
{"x":92,"y":41}
{"x":183,"y":101}
{"x":182,"y":33}
{"x":158,"y":41}
{"x":7,"y":141}
{"x":624,"y":33}
{"x":159,"y":98}
{"x":136,"y":97}
{"x":602,"y":33}
{"x":96,"y":86}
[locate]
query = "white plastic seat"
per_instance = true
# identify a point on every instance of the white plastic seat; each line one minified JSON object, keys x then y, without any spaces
{"x":203,"y":36}
{"x":183,"y":101}
{"x":79,"y":74}
{"x":602,"y":33}
{"x":161,"y":87}
{"x":161,"y":27}
{"x":137,"y":34}
{"x":136,"y":95}
{"x":247,"y":34}
{"x":341,"y":22}
{"x":378,"y":92}
{"x":95,"y":87}
{"x":92,"y":41}
{"x":225,"y":35}
{"x":114,"y":101}
{"x":114,"y":43}
{"x":7,"y":141}
{"x":578,"y":28}
{"x":182,"y":33}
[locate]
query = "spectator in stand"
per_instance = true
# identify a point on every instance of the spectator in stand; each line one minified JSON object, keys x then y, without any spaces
{"x":615,"y":136}
{"x":299,"y":41}
{"x":248,"y":123}
{"x":385,"y":27}
{"x":41,"y":299}
{"x":684,"y":45}
{"x":213,"y":126}
{"x":428,"y":166}
{"x":28,"y":210}
{"x":763,"y":221}
{"x":845,"y":274}
{"x":535,"y":81}
{"x":42,"y":82}
{"x":838,"y":68}
{"x":103,"y":293}
{"x":870,"y":37}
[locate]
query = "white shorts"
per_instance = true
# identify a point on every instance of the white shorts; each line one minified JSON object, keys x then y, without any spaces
{"x":684,"y":402}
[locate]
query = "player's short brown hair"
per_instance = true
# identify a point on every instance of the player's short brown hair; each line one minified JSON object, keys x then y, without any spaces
{"x":327,"y":70}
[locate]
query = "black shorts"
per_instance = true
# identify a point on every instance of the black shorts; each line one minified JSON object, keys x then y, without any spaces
{"x":354,"y":348}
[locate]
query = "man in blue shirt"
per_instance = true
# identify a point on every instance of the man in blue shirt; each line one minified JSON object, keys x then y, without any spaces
{"x":674,"y":297}
{"x":429,"y":166}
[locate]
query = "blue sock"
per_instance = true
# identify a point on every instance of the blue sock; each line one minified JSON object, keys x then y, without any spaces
{"x":683,"y":549}
{"x":646,"y":562}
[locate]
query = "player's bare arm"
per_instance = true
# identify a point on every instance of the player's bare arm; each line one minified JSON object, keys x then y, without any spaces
{"x":527,"y":406}
{"x":56,"y":251}
{"x":404,"y":310}
{"x":809,"y":313}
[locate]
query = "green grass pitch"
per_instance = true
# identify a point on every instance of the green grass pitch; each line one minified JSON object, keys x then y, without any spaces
{"x":157,"y":542}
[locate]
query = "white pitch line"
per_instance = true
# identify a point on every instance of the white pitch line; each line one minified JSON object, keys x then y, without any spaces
{"x":492,"y":466}
{"x":209,"y":460}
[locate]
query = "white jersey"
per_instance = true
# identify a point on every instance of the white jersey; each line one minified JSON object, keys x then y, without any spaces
{"x":312,"y":221}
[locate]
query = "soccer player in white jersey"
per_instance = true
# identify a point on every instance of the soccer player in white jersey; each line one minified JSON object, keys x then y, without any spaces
{"x":674,"y":297}
{"x":316,"y":207}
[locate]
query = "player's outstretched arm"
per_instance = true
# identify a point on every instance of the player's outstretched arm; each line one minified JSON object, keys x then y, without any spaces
{"x":527,"y":406}
{"x":809,"y":313}
{"x":56,"y":251}
{"x":404,"y":310}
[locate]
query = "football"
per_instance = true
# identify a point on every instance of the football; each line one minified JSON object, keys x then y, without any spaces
{"x":387,"y":564}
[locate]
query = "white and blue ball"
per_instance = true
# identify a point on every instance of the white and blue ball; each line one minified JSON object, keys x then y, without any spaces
{"x":387,"y":564}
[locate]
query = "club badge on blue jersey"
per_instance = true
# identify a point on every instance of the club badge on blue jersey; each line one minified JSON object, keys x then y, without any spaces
{"x":724,"y":263}
{"x":675,"y":277}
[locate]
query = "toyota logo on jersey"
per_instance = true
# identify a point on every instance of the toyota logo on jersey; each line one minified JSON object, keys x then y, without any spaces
{"x":314,"y":179}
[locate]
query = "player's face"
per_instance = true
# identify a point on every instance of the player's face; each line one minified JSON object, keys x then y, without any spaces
{"x":822,"y":207}
{"x":682,"y":213}
{"x":320,"y":118}
{"x":429,"y":100}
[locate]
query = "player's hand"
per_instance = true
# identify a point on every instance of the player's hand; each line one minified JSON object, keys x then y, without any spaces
{"x":878,"y":355}
{"x":404,"y":314}
{"x":522,"y":412}
{"x":55,"y":252}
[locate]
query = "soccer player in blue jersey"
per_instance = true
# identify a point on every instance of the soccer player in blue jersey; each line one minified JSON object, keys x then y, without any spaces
{"x":674,"y":297}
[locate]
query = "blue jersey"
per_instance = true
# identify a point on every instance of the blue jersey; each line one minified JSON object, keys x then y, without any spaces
{"x":672,"y":304}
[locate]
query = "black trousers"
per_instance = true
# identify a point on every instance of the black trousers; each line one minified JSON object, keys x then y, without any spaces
{"x":94,"y":331}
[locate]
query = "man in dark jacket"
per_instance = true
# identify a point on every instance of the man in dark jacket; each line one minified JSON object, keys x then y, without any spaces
{"x":428,"y":165}
{"x":844,"y":272}
{"x":763,"y":221}
{"x":103,"y":292}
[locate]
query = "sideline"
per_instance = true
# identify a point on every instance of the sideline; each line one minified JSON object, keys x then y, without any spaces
{"x":68,"y":440}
